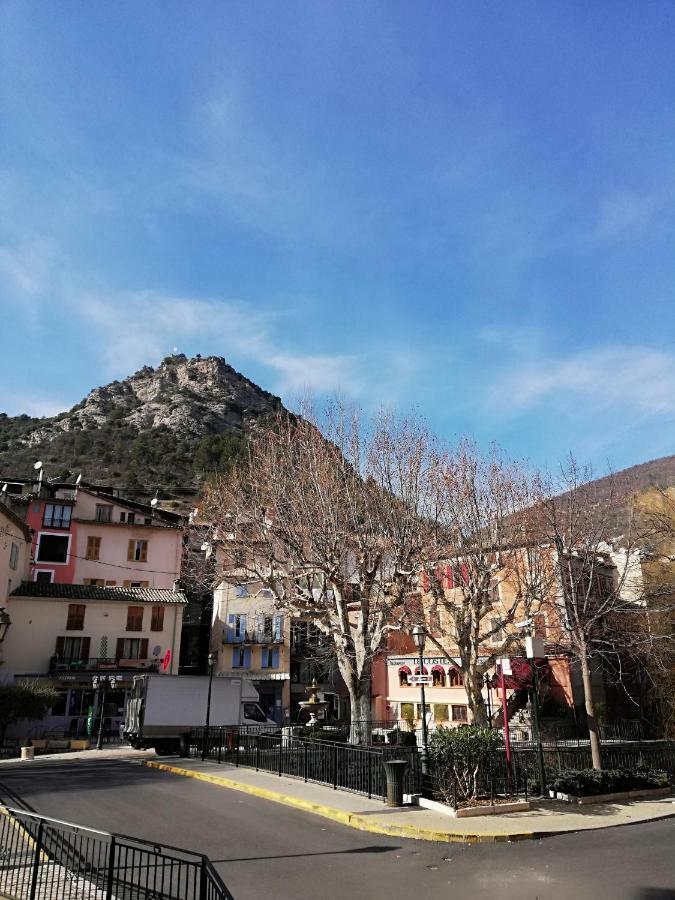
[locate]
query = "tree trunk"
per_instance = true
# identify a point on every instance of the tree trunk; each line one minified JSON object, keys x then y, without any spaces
{"x":474,"y":692}
{"x":590,"y":710}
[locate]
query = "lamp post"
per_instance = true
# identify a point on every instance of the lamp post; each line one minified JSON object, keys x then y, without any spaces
{"x":419,"y":636}
{"x":488,"y":684}
{"x":101,"y":682}
{"x":534,"y":647}
{"x":213,"y":659}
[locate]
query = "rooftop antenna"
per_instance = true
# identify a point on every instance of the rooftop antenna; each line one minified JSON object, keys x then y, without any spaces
{"x":79,"y":478}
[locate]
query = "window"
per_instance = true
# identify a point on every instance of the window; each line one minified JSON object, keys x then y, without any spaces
{"x":94,"y":582}
{"x":278,"y":628}
{"x":137,"y":551}
{"x":241,"y":657}
{"x":70,"y":649}
{"x":459,"y":714}
{"x":407,"y":711}
{"x":132,"y":648}
{"x":497,"y":629}
{"x":123,"y":517}
{"x":236,"y":627}
{"x":53,"y":548}
{"x":540,"y":625}
{"x":270,"y":657}
{"x":75,"y":621}
{"x":403,"y":676}
{"x":44,"y":577}
{"x":93,"y":550}
{"x":253,"y":712}
{"x":135,"y":618}
{"x":438,"y":676}
{"x":137,"y":584}
{"x":14,"y":556}
{"x":441,"y":712}
{"x":147,"y":520}
{"x":110,"y":583}
{"x":103,"y":512}
{"x":157,"y":618}
{"x":57,"y":515}
{"x":456,"y":679}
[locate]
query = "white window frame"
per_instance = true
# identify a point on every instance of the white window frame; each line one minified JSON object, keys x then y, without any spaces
{"x":53,"y":534}
{"x":37,"y":572}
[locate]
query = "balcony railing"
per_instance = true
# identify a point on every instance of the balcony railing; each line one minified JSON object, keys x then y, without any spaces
{"x":101,"y":663}
{"x":254,"y":637}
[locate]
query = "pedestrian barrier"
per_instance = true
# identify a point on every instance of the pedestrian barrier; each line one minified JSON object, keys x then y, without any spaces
{"x":339,"y":765}
{"x":41,"y":857}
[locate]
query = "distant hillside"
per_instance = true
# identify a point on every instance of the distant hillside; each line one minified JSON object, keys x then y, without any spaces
{"x":165,"y":427}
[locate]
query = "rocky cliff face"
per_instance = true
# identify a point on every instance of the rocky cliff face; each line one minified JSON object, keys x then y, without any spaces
{"x":188,"y":396}
{"x":129,"y":429}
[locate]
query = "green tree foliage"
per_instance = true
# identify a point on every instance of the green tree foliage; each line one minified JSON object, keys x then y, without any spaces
{"x":217,"y":453}
{"x":461,"y":757}
{"x":25,"y":700}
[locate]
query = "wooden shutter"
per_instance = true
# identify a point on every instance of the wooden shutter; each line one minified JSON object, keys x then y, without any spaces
{"x":130,"y":550}
{"x":84,"y":648}
{"x":449,"y":581}
{"x":465,"y":573}
{"x":144,"y":649}
{"x":59,"y":646}
{"x":93,"y":547}
{"x":157,"y":619}
{"x":230,"y":628}
{"x":275,"y":658}
{"x":247,"y":658}
{"x":119,"y":650}
{"x":260,"y":627}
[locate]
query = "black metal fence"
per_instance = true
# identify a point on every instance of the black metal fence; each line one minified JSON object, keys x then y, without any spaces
{"x":46,"y":858}
{"x":339,"y":765}
{"x":562,"y":755}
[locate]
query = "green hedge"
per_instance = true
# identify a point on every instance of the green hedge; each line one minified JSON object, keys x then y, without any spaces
{"x":591,"y":782}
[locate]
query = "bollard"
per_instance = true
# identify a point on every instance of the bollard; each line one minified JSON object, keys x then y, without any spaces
{"x":27,"y":752}
{"x":395,"y":770}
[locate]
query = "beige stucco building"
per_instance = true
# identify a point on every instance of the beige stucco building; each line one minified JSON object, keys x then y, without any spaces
{"x":65,"y":634}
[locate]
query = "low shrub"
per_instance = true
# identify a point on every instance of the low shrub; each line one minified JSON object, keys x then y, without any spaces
{"x":460,"y":758}
{"x":402,"y":738}
{"x":592,"y":782}
{"x":319,"y":733}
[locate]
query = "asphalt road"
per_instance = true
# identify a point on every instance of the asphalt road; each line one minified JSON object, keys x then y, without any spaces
{"x":265,"y":850}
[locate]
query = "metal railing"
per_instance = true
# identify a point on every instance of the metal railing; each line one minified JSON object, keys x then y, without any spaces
{"x":42,"y":857}
{"x":254,"y":637}
{"x":338,"y":765}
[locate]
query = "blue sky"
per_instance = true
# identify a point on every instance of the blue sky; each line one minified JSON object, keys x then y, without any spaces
{"x":466,"y":207}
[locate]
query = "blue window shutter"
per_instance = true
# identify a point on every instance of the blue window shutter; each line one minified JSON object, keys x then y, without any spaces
{"x":260,"y":627}
{"x":275,"y":658}
{"x":242,"y":627}
{"x":247,"y":658}
{"x":278,"y":627}
{"x":230,"y":628}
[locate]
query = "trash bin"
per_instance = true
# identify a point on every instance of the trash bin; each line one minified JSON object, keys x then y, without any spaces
{"x":395,"y":770}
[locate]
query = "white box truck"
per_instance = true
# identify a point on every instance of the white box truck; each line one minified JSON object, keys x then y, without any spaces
{"x":163,"y":709}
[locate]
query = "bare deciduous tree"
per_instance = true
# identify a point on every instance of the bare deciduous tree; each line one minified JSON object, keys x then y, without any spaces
{"x":490,"y":573}
{"x":336,"y":525}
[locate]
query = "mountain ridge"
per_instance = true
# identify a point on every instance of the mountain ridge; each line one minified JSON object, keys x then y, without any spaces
{"x":165,"y":426}
{"x":169,"y":427}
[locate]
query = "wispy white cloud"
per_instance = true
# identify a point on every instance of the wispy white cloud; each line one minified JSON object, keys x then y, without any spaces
{"x":621,"y":380}
{"x":623,"y":214}
{"x":138,"y":327}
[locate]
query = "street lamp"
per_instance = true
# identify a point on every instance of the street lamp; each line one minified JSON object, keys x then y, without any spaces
{"x":212,"y":660}
{"x":100,"y":683}
{"x":420,"y":636}
{"x":487,"y":680}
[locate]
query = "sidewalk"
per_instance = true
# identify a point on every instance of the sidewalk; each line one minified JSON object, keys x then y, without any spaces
{"x":359,"y":812}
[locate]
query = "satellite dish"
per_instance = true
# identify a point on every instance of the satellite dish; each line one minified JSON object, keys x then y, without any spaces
{"x":38,"y":464}
{"x":4,"y":488}
{"x":79,"y":478}
{"x":205,"y":546}
{"x":153,"y":502}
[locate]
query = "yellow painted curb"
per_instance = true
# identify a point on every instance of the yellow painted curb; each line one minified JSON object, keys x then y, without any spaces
{"x":353,"y":820}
